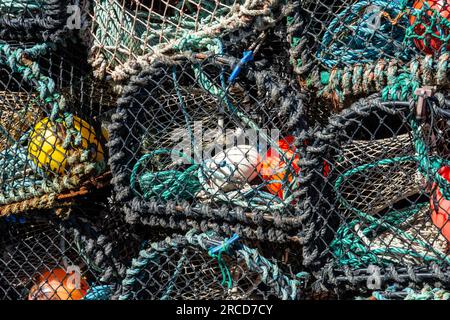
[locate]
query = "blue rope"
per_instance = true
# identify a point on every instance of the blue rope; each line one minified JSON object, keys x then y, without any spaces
{"x":99,"y":293}
{"x":14,"y":219}
{"x":351,"y":39}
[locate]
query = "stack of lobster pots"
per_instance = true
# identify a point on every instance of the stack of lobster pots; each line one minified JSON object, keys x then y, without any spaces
{"x":227,"y":149}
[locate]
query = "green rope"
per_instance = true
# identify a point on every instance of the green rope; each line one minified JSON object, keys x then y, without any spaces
{"x":250,"y":259}
{"x":396,"y":80}
{"x":172,"y":281}
{"x":432,"y":25}
{"x":222,"y":94}
{"x":403,"y":86}
{"x":167,"y":184}
{"x":24,"y":179}
{"x":427,"y":293}
{"x":122,"y":32}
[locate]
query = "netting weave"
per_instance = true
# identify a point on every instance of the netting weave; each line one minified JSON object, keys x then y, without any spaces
{"x":352,"y":48}
{"x":126,"y":34}
{"x":376,"y":212}
{"x":192,"y":148}
{"x":51,"y":133}
{"x":37,"y":20}
{"x":53,"y":260}
{"x":206,"y":266}
{"x":302,"y":145}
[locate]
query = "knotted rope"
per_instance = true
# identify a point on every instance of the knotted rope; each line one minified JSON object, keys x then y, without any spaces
{"x":185,"y":185}
{"x":348,"y":245}
{"x":352,"y":37}
{"x":22,"y":178}
{"x":361,"y":57}
{"x":34,"y":20}
{"x":426,"y":293}
{"x":283,"y":286}
{"x":146,"y":35}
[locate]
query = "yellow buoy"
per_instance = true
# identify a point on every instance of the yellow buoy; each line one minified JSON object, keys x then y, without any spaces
{"x":46,"y":144}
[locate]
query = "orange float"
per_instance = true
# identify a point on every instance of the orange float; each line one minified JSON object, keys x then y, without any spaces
{"x":431,"y":43}
{"x":57,"y":284}
{"x":440,"y":207}
{"x":275,"y":167}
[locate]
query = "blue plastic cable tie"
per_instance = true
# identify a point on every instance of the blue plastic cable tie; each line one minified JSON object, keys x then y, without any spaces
{"x":248,"y":56}
{"x":223,"y":245}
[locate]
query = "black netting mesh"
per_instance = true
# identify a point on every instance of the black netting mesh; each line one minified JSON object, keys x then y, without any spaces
{"x":353,"y":48}
{"x":39,"y":20}
{"x":52,"y":136}
{"x":205,"y":266}
{"x":380,"y":214}
{"x":302,"y":145}
{"x":46,"y":259}
{"x":190,"y":142}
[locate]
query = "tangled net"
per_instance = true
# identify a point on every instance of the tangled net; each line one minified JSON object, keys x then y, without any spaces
{"x":35,"y":20}
{"x":224,"y":119}
{"x":355,"y":48}
{"x":126,"y":34}
{"x":48,"y":145}
{"x":205,"y":266}
{"x":52,"y":260}
{"x":374,"y":207}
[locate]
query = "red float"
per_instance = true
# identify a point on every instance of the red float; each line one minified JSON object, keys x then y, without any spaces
{"x":275,"y":167}
{"x":431,"y":43}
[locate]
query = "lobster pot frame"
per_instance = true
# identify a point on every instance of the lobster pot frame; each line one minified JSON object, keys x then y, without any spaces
{"x":127,"y":34}
{"x":375,"y":221}
{"x":189,"y":146}
{"x":51,"y":131}
{"x":205,"y":266}
{"x":349,"y":49}
{"x":46,"y":259}
{"x":29,"y":20}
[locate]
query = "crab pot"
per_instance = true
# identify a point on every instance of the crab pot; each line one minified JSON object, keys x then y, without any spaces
{"x":350,"y":49}
{"x":31,"y":20}
{"x":51,"y":120}
{"x":378,"y":213}
{"x":205,"y":266}
{"x":108,"y":218}
{"x":192,"y":149}
{"x":395,"y":292}
{"x":125,"y":32}
{"x":46,"y":259}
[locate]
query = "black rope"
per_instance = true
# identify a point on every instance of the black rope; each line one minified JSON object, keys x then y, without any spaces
{"x":169,"y":214}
